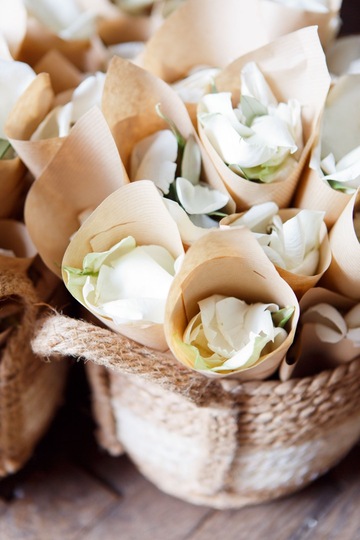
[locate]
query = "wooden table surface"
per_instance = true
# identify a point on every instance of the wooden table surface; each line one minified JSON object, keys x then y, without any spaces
{"x":71,"y":490}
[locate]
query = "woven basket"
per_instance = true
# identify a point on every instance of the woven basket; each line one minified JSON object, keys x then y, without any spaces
{"x":30,"y":389}
{"x":224,"y":445}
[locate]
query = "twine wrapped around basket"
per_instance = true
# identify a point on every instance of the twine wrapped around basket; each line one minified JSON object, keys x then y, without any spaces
{"x":224,"y":445}
{"x":30,"y":389}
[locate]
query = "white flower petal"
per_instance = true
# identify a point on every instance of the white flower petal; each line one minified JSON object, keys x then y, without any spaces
{"x":191,"y":161}
{"x":253,"y":84}
{"x":199,"y":199}
{"x":329,"y":323}
{"x":15,"y":77}
{"x":189,"y":232}
{"x":257,"y":217}
{"x":352,"y":318}
{"x":274,"y":132}
{"x":192,"y":88}
{"x":158,"y":162}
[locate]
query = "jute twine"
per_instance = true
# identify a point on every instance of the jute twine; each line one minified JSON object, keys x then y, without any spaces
{"x":223,"y":444}
{"x":30,"y":389}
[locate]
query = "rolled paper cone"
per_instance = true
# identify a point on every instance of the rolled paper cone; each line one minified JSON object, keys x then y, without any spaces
{"x":299,"y":283}
{"x":88,"y":55}
{"x":231,"y":263}
{"x":129,"y":99}
{"x":288,"y":65}
{"x":30,"y":109}
{"x":125,"y":28}
{"x":343,"y":56}
{"x":86,"y":169}
{"x":283,"y":19}
{"x":13,"y":24}
{"x":169,"y":56}
{"x":15,"y":238}
{"x":310,"y":354}
{"x":127,"y":212}
{"x":343,"y":274}
{"x":63,"y":74}
{"x":12,"y":186}
{"x":314,"y":193}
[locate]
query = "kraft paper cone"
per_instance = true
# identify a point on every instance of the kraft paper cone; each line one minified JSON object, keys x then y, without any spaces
{"x":282,"y":20}
{"x":343,"y":275}
{"x":13,"y":22}
{"x":310,"y":354}
{"x":87,"y":55}
{"x":314,"y":193}
{"x":343,"y":56}
{"x":63,"y":74}
{"x":12,"y":186}
{"x":86,"y":169}
{"x":129,"y":99}
{"x":214,"y":39}
{"x":299,"y":283}
{"x":339,"y":133}
{"x":30,"y":109}
{"x":15,"y":238}
{"x":133,"y":210}
{"x":294,"y":67}
{"x":231,"y":263}
{"x":125,"y":28}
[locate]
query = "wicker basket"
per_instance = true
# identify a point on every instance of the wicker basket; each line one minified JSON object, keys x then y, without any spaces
{"x":223,"y":445}
{"x":30,"y":389}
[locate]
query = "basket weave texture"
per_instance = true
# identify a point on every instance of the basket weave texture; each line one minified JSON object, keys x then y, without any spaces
{"x":221,"y":444}
{"x":30,"y":389}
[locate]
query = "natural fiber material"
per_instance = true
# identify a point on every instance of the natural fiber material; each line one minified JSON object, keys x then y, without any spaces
{"x":30,"y":389}
{"x":223,"y":444}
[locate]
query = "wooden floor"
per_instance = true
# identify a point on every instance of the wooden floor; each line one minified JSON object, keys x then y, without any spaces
{"x":71,"y":490}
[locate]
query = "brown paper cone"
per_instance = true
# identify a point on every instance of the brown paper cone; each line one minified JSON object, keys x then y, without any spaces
{"x":282,"y":20}
{"x":87,"y":55}
{"x":86,"y":169}
{"x":12,"y":186}
{"x":124,"y":28}
{"x":339,"y":134}
{"x":294,"y":67}
{"x":311,"y":355}
{"x":129,"y":99}
{"x":228,"y":262}
{"x":127,"y":212}
{"x":63,"y":74}
{"x":314,"y":193}
{"x":30,"y":109}
{"x":15,"y":237}
{"x":299,"y":283}
{"x":214,"y":39}
{"x":343,"y":275}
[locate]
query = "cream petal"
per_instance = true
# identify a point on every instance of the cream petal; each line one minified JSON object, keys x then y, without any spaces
{"x":219,"y":103}
{"x":188,"y":231}
{"x":257,"y":217}
{"x":191,"y":161}
{"x":87,"y":95}
{"x":253,"y":84}
{"x":192,"y":88}
{"x":15,"y":77}
{"x":159,"y":161}
{"x":274,"y":132}
{"x":329,"y":323}
{"x":54,"y":15}
{"x":352,"y":318}
{"x":199,"y":199}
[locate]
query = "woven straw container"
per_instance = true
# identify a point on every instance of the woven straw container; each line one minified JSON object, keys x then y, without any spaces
{"x":224,"y":445}
{"x":30,"y":389}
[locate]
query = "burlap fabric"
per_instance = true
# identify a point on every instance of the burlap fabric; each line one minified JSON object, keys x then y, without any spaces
{"x":224,"y":445}
{"x":30,"y":389}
